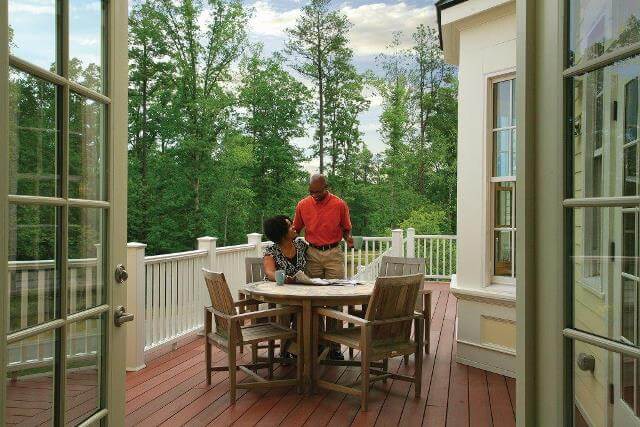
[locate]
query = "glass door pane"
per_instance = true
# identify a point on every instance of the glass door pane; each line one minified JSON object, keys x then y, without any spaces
{"x":60,"y":239}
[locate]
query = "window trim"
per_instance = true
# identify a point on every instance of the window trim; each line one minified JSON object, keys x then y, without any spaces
{"x":490,"y":278}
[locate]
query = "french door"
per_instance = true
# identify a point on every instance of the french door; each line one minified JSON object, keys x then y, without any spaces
{"x":603,"y":211}
{"x":63,"y":148}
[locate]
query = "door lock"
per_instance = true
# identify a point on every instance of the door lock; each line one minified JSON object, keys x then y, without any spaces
{"x":121,"y":316}
{"x":121,"y":274}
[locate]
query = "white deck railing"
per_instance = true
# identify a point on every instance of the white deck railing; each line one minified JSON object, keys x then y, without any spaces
{"x":166,"y":293}
{"x":31,"y":298}
{"x":173,"y":295}
{"x":356,"y":261}
{"x":439,"y":253}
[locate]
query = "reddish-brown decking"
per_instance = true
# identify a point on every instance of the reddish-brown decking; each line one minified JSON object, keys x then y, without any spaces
{"x":30,"y":398}
{"x":171,"y":390}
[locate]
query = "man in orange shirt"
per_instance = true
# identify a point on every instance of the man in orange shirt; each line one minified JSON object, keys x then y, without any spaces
{"x":325,"y":219}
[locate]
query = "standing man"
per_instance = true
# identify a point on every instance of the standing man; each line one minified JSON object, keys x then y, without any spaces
{"x":325,"y":219}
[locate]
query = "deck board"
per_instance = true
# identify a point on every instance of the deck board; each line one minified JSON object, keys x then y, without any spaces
{"x":171,"y":390}
{"x":479,"y":404}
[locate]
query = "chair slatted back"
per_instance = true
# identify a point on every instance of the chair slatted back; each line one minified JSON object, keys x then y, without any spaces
{"x":398,"y":266}
{"x":221,"y":300}
{"x":393,"y":297}
{"x":254,"y":269}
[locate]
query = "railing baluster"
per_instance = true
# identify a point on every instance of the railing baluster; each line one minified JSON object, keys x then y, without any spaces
{"x":88,"y":271}
{"x":431,"y":255}
{"x":148,"y":306}
{"x":181,"y":293}
{"x":195,"y":271}
{"x":41,"y":294}
{"x":424,"y":248}
{"x":156,"y":303}
{"x":450,"y":256}
{"x":24,"y":299}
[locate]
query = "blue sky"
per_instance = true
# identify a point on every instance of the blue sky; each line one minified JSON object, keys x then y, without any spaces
{"x":374,"y":22}
{"x":34,"y":23}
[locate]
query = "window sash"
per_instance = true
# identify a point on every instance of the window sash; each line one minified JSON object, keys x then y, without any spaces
{"x":495,"y":178}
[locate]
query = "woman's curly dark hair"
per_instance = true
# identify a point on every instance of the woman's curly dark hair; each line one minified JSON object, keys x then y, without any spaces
{"x":276,"y":228}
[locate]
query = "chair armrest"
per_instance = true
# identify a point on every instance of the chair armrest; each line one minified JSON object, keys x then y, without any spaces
{"x":339,"y":315}
{"x":265,"y":313}
{"x":396,"y":319}
{"x":218,"y":313}
{"x":245,"y":302}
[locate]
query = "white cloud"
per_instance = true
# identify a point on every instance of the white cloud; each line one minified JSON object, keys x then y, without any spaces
{"x":33,"y":7}
{"x":374,"y":24}
{"x":266,"y":21}
{"x":375,"y":99}
{"x":82,"y":40}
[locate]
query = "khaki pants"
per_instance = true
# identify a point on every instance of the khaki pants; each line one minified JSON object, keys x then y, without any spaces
{"x":326,"y":265}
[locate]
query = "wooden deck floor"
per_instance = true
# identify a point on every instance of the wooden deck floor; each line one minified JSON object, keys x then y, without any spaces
{"x":171,"y":391}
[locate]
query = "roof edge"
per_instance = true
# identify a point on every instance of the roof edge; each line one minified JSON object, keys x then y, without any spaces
{"x":440,"y":6}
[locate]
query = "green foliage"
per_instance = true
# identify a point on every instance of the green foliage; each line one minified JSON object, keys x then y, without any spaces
{"x":276,"y":107}
{"x":213,"y":120}
{"x":427,"y":220}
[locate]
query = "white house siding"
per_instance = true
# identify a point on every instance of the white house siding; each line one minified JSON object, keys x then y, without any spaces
{"x":486,"y":49}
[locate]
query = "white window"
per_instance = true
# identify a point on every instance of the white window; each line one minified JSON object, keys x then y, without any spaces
{"x":503,"y":180}
{"x":593,"y":248}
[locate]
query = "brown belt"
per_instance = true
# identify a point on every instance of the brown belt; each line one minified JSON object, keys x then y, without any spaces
{"x":325,"y":247}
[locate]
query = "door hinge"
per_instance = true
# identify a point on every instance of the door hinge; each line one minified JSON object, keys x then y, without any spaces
{"x":615,"y":111}
{"x":611,"y":394}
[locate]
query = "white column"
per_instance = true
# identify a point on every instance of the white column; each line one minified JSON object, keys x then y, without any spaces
{"x":411,"y":242}
{"x":209,"y":244}
{"x":136,"y":306}
{"x":397,"y":242}
{"x":255,"y":239}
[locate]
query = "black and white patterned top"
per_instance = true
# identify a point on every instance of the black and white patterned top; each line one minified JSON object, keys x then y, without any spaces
{"x":290,"y":265}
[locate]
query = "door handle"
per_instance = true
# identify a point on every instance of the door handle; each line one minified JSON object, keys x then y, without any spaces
{"x":121,"y":316}
{"x":121,"y":274}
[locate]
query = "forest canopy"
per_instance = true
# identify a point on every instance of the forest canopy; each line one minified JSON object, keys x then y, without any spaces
{"x":213,"y":124}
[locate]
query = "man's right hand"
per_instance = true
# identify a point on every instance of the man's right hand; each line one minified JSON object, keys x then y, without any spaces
{"x":349,"y":241}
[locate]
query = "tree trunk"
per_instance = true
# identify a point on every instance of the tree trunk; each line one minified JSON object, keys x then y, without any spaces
{"x":320,"y":93}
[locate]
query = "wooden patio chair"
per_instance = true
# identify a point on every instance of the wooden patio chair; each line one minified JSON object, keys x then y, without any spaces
{"x":231,"y":332}
{"x":384,"y":332}
{"x":254,"y":272}
{"x":398,"y":266}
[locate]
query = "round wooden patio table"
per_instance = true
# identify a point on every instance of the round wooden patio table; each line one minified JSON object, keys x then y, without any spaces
{"x":307,"y":297}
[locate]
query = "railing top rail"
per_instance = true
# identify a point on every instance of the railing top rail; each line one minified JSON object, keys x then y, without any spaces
{"x":376,"y":239}
{"x":235,"y":248}
{"x":49,"y":263}
{"x":198,"y":253}
{"x":436,"y":236}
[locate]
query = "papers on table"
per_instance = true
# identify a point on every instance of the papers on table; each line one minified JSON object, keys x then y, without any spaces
{"x":303,"y":279}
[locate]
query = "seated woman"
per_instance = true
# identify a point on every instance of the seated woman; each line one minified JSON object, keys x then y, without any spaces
{"x":287,"y":253}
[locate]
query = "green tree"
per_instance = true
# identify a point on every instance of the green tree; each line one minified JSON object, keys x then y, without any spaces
{"x":276,"y":105}
{"x":201,"y":56}
{"x":319,"y":34}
